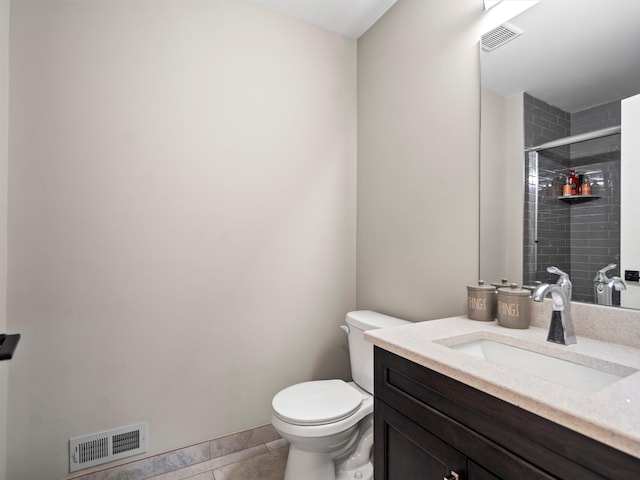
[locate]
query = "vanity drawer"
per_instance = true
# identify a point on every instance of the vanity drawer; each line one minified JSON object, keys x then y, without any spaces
{"x":420,"y":393}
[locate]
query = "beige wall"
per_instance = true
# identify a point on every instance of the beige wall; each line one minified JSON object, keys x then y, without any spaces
{"x":4,"y":119}
{"x":182,"y":223}
{"x":501,"y":187}
{"x":493,"y":185}
{"x":182,"y":190}
{"x":514,"y":191}
{"x":418,"y":140}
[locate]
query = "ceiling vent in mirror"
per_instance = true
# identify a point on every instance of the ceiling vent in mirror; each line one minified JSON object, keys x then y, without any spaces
{"x":499,"y":36}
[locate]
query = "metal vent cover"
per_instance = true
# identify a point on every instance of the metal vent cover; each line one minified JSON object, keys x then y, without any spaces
{"x":104,"y":447}
{"x":499,"y":36}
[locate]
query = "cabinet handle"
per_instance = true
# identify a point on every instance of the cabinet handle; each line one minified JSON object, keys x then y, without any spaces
{"x":452,"y":476}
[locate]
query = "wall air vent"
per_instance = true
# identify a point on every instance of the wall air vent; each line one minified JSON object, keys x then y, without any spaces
{"x":499,"y":36}
{"x":104,"y":447}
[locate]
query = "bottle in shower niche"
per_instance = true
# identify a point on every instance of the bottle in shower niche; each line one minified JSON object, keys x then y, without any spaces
{"x":566,"y":188}
{"x":573,"y":180}
{"x":586,"y":186}
{"x":580,"y":180}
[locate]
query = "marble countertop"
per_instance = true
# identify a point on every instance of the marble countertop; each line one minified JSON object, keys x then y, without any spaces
{"x":610,"y":415}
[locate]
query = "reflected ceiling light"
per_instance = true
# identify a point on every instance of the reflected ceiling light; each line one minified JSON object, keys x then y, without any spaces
{"x":502,"y":11}
{"x":490,"y":3}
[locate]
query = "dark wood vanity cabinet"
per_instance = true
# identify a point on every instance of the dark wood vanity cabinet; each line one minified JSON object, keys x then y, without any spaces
{"x":430,"y":427}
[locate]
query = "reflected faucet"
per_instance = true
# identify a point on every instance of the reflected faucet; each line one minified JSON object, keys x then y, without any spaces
{"x":561,"y":326}
{"x":604,"y":285}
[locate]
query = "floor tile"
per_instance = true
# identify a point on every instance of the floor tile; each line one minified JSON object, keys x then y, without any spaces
{"x":278,"y":444}
{"x":269,"y":466}
{"x":201,"y":476}
{"x":200,"y":468}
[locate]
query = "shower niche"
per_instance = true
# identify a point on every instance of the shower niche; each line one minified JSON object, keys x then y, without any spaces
{"x":580,"y":233}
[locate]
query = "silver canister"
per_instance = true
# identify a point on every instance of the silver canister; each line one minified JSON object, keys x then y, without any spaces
{"x":481,"y":302}
{"x":514,"y":307}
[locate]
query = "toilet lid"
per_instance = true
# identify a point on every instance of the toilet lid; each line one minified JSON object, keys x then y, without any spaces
{"x":316,"y":403}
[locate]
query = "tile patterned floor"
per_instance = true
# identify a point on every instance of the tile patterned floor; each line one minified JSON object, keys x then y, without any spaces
{"x":262,"y":462}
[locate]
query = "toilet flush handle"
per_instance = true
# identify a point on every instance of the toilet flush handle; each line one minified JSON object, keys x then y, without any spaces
{"x":345,"y":328}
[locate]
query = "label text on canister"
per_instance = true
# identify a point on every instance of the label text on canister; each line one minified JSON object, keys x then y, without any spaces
{"x":477,"y":303}
{"x":509,"y":309}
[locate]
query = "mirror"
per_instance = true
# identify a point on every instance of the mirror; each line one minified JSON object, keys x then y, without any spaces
{"x":574,"y":59}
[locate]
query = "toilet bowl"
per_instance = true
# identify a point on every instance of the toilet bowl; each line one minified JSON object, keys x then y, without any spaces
{"x":320,"y":420}
{"x":329,"y":423}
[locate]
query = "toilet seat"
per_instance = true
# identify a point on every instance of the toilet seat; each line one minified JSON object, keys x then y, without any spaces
{"x":319,"y":402}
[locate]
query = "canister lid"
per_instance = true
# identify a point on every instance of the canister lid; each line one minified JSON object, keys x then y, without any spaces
{"x":515,"y":290}
{"x":504,"y":283}
{"x":481,"y":286}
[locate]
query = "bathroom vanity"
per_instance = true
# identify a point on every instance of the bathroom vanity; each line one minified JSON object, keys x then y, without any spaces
{"x":443,"y":413}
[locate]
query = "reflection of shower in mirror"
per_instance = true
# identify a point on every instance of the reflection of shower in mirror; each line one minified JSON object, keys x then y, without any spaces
{"x":567,"y":71}
{"x":578,"y":232}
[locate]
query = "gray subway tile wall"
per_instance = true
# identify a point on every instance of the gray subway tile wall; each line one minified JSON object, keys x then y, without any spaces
{"x":544,"y":123}
{"x":578,"y":237}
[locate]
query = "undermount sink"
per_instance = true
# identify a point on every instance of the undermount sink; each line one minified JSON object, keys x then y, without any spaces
{"x":556,"y":370}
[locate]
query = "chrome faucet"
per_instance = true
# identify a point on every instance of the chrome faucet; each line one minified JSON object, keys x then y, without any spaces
{"x":561,"y":326}
{"x":603,"y":285}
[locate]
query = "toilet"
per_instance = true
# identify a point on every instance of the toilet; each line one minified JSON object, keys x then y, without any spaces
{"x":329,"y":423}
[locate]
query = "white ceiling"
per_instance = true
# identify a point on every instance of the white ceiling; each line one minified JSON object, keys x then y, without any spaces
{"x":349,"y":17}
{"x":573,"y":54}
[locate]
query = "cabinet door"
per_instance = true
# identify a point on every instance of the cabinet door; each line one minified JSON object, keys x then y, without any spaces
{"x":409,"y":452}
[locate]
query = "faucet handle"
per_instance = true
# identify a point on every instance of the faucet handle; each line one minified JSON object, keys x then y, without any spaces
{"x":557,"y":271}
{"x":611,"y":266}
{"x":564,"y":282}
{"x":601,"y":276}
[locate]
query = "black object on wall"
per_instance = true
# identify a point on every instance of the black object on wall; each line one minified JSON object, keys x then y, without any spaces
{"x":8,"y":344}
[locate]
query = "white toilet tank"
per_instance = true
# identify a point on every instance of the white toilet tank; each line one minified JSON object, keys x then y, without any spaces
{"x":360,"y":350}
